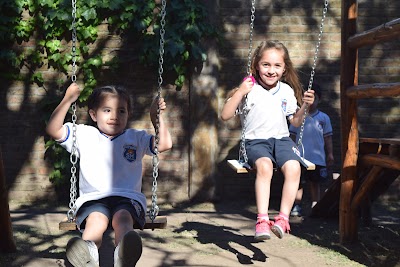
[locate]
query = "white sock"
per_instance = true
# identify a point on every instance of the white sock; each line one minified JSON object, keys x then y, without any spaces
{"x":94,"y":252}
{"x":116,"y":257}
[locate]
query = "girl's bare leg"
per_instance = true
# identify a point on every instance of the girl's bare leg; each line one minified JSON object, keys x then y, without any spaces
{"x":263,"y":184}
{"x":96,"y":225}
{"x":291,"y":171}
{"x":122,"y":223}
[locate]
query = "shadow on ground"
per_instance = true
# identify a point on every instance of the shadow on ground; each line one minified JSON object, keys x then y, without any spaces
{"x":212,"y":232}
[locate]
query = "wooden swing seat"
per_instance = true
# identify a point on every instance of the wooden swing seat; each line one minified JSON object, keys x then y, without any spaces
{"x":160,"y":222}
{"x":241,"y":167}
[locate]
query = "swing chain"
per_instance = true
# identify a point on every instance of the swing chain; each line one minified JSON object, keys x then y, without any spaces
{"x":74,"y":39}
{"x":154,"y":207}
{"x":321,"y":31}
{"x":74,"y":159}
{"x":243,"y":109}
{"x":252,"y":17}
{"x":73,"y":156}
{"x":310,"y":83}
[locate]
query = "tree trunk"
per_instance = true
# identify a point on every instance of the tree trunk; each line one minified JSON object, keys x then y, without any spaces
{"x":7,"y":243}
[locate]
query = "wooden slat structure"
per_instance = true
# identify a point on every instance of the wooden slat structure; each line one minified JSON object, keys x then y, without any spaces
{"x":351,"y":41}
{"x":160,"y":222}
{"x":372,"y":180}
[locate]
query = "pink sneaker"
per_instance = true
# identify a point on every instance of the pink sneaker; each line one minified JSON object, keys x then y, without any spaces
{"x":262,"y":229}
{"x":280,"y":227}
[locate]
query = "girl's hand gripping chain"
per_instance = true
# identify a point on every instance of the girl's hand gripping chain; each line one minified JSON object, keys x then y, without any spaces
{"x":247,"y":84}
{"x":72,"y":93}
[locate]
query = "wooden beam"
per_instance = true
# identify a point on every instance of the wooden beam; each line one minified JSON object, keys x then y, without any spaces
{"x":385,"y":32}
{"x":390,"y":141}
{"x":374,"y":90}
{"x":160,"y":222}
{"x":370,"y":180}
{"x":349,"y":123}
{"x":384,"y":161}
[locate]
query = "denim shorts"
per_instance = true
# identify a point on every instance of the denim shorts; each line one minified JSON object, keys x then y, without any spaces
{"x":109,"y":206}
{"x":278,"y":150}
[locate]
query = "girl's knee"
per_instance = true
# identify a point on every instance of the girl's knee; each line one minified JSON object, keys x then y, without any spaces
{"x":291,"y":166}
{"x":122,"y":217}
{"x":264,"y":167}
{"x":97,"y":218}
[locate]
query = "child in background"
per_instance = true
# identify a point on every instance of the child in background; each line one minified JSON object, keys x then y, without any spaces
{"x":317,"y":143}
{"x":272,"y":100}
{"x":110,"y":173}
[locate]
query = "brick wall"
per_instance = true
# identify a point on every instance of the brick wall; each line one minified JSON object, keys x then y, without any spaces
{"x":293,"y":22}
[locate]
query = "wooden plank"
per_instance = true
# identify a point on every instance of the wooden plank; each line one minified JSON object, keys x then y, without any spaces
{"x":365,"y":188}
{"x":385,"y":32}
{"x":160,"y":222}
{"x":374,"y":90}
{"x":240,"y":167}
{"x":384,"y":161}
{"x":390,"y":141}
{"x":310,"y":165}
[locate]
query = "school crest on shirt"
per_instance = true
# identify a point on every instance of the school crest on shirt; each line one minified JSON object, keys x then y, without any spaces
{"x":284,"y":104}
{"x":130,"y":153}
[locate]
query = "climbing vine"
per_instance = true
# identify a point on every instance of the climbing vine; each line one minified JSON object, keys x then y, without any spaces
{"x":36,"y":36}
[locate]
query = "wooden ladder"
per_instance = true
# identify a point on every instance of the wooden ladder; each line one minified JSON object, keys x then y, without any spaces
{"x":350,"y":91}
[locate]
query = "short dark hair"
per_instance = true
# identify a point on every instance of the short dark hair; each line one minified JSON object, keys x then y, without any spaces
{"x":317,"y":90}
{"x":99,"y":93}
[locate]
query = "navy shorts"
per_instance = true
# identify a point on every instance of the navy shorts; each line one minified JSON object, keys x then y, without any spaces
{"x":109,"y":206}
{"x":319,"y":175}
{"x":278,"y":150}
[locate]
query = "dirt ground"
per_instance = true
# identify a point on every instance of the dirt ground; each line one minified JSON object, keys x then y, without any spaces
{"x":207,"y":234}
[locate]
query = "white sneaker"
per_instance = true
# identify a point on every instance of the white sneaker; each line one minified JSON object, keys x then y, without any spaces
{"x":81,"y":253}
{"x":128,"y":251}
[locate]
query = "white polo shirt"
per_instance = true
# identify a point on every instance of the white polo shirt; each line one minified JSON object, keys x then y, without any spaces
{"x":267,"y":111}
{"x":109,"y":166}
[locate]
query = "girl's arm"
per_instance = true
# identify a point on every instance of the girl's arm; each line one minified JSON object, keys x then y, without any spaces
{"x":298,"y":117}
{"x":54,"y":126}
{"x":329,"y":151}
{"x":235,"y":96}
{"x":165,"y":142}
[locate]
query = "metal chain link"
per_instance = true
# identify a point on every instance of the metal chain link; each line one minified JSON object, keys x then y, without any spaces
{"x":74,"y":39}
{"x":73,"y":156}
{"x":154,"y":207}
{"x":243,"y":109}
{"x":310,"y":83}
{"x":74,"y":159}
{"x":252,"y":17}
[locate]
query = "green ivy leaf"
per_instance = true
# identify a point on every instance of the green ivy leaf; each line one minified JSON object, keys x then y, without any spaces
{"x":89,"y":14}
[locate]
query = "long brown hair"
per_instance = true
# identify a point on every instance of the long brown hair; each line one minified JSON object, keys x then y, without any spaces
{"x":290,"y":75}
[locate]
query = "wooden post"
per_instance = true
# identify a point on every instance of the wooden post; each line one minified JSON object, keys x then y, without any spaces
{"x":7,"y":243}
{"x":349,"y":124}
